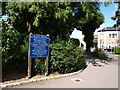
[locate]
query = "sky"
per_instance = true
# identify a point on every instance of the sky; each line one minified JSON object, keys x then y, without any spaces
{"x":108,"y":12}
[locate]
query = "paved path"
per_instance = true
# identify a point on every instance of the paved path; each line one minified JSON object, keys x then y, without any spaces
{"x":97,"y":75}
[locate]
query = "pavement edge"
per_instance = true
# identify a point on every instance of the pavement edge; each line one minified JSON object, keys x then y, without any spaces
{"x":35,"y":80}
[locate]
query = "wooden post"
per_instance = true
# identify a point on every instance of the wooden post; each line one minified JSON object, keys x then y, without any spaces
{"x":46,"y":64}
{"x":29,"y":61}
{"x":29,"y":66}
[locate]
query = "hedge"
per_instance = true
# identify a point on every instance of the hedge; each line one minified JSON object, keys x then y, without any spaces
{"x":117,"y":50}
{"x":100,"y":54}
{"x":66,"y":57}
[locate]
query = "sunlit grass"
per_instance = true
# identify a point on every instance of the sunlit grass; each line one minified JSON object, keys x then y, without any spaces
{"x":117,"y":55}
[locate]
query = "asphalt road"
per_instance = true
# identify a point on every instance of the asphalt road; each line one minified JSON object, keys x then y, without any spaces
{"x":96,"y":75}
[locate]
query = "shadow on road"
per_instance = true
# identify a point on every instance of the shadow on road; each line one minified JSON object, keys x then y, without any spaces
{"x":91,"y":59}
{"x":111,"y":59}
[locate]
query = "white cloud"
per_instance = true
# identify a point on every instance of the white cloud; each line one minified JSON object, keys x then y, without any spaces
{"x":114,"y":12}
{"x":116,"y":6}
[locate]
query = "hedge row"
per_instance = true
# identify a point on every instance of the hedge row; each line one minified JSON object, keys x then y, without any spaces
{"x":100,"y":54}
{"x":117,"y":50}
{"x":65,"y":57}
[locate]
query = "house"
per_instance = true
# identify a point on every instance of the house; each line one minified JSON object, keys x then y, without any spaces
{"x":95,"y":40}
{"x":109,"y":37}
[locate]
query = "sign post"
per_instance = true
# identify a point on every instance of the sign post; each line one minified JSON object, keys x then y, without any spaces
{"x":46,"y":64}
{"x":39,"y":47}
{"x":29,"y":62}
{"x":29,"y":65}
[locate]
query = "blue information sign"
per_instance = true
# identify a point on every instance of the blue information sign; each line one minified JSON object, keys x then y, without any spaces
{"x":39,"y":45}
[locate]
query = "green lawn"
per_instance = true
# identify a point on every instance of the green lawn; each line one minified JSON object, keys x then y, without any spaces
{"x":118,"y":56}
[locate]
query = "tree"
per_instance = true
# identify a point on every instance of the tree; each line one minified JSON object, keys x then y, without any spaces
{"x":89,"y":29}
{"x":23,"y":18}
{"x":40,"y":17}
{"x":117,"y":16}
{"x":12,"y":51}
{"x":55,"y":18}
{"x":89,"y":21}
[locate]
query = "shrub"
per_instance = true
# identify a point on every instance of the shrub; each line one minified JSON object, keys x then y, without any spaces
{"x":100,"y":54}
{"x":75,"y":41}
{"x":12,"y":54}
{"x":117,"y":50}
{"x":39,"y":65}
{"x":66,"y":57}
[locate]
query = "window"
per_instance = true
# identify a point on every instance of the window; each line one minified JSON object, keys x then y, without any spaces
{"x":113,"y":35}
{"x":109,"y":35}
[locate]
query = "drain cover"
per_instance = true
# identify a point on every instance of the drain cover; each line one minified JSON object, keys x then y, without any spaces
{"x":77,"y":80}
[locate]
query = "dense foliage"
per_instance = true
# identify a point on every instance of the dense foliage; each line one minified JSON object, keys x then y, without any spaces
{"x":55,"y":19}
{"x":117,"y":50}
{"x":66,"y":57}
{"x":100,"y":54}
{"x":14,"y":50}
{"x":40,"y":17}
{"x":90,"y":22}
{"x":117,"y":15}
{"x":38,"y":66}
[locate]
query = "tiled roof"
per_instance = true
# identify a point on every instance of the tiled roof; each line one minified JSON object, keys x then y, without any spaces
{"x":95,"y":35}
{"x":110,"y":29}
